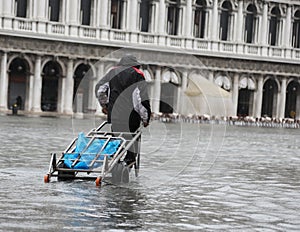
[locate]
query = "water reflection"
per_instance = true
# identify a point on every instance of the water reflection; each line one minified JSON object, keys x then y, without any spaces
{"x":193,"y":177}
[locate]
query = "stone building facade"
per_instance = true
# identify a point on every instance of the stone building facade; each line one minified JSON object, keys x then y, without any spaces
{"x":53,"y":52}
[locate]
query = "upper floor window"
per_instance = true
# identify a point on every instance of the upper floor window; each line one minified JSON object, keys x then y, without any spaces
{"x":86,"y":12}
{"x":21,"y":8}
{"x":274,"y":27}
{"x":145,"y":15}
{"x":250,"y":24}
{"x":225,"y":20}
{"x":173,"y":18}
{"x":116,"y":12}
{"x":296,"y":30}
{"x":54,"y":10}
{"x":200,"y":19}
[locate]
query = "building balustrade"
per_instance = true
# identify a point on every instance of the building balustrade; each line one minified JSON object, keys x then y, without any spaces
{"x":56,"y":28}
{"x":87,"y":32}
{"x":252,"y":49}
{"x":276,"y":52}
{"x":48,"y":29}
{"x":200,"y":44}
{"x":117,"y":35}
{"x":22,"y":24}
{"x":146,"y":38}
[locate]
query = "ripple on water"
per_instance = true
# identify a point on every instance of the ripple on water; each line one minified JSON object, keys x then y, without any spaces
{"x":193,"y":177}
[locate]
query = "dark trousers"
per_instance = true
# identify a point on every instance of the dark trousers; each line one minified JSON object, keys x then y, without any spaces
{"x":131,"y":126}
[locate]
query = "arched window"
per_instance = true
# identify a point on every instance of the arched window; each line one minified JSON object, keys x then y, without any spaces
{"x":21,"y":8}
{"x":199,"y":19}
{"x":145,"y":15}
{"x":250,"y":24}
{"x":169,"y":91}
{"x":116,"y":13}
{"x":54,"y":10}
{"x":223,"y":81}
{"x":147,"y":75}
{"x":274,"y":27}
{"x":292,"y":98}
{"x":170,"y":76}
{"x":81,"y":88}
{"x":17,"y":84}
{"x":225,"y":20}
{"x":173,"y":18}
{"x":269,"y":102}
{"x":246,"y":96}
{"x":86,"y":12}
{"x":50,"y":86}
{"x":296,"y":30}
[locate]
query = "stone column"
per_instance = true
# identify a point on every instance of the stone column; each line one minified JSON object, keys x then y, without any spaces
{"x":41,"y":9}
{"x":100,"y":74}
{"x":182,"y":106}
{"x":73,"y":9}
{"x":40,"y":15}
{"x":287,"y":28}
{"x":264,"y":27}
{"x":132,"y":19}
{"x":259,"y":96}
{"x":132,"y":15}
{"x":7,"y":13}
{"x":69,"y":89}
{"x":92,"y":85}
{"x":29,"y":97}
{"x":37,"y":88}
{"x":282,"y":98}
{"x":157,"y":89}
{"x":7,"y":7}
{"x":61,"y":94}
{"x":240,"y":22}
{"x":64,"y":12}
{"x":188,"y":19}
{"x":209,"y":21}
{"x":235,"y":92}
{"x":214,"y":29}
{"x":104,"y":18}
{"x":104,"y":13}
{"x":124,"y":15}
{"x":162,"y":17}
{"x":98,"y":13}
{"x":298,"y":108}
{"x":3,"y":82}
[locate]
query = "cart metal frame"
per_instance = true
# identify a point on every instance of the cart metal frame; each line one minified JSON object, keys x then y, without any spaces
{"x":111,"y":164}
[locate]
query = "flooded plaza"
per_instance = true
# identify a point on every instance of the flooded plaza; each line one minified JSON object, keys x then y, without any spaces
{"x":193,"y":177}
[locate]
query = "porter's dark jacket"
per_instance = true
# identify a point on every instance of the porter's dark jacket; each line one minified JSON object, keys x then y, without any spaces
{"x":123,"y":90}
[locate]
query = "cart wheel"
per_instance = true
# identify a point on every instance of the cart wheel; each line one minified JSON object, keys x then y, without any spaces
{"x":98,"y":181}
{"x":47,"y":178}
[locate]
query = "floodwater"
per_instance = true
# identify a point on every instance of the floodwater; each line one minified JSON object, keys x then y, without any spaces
{"x":193,"y":177}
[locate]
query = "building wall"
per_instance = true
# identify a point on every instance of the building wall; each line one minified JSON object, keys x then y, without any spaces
{"x":260,"y":70}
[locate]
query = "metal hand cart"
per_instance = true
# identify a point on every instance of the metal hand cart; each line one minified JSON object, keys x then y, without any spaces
{"x":101,"y":165}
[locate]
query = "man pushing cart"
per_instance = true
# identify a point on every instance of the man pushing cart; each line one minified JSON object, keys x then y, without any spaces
{"x":122,"y":94}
